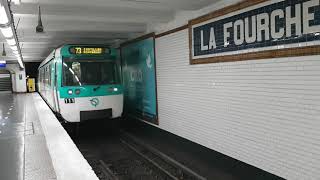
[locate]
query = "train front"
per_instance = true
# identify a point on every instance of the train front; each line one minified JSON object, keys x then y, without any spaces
{"x":90,"y":84}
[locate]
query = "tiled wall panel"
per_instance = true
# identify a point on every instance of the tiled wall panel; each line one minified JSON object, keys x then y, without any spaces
{"x":262,"y":112}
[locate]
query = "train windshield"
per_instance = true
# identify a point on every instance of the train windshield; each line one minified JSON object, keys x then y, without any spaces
{"x":89,"y":72}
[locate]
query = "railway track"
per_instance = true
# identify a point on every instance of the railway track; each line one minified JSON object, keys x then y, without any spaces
{"x":107,"y":171}
{"x":125,"y":157}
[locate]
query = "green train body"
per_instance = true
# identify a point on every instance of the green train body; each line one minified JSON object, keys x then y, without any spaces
{"x":82,"y":82}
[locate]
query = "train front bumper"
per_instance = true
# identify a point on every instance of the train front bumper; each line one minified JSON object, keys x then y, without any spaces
{"x":89,"y":108}
{"x":95,"y":114}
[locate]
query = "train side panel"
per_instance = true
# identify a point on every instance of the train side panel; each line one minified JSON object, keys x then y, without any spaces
{"x":56,"y":85}
{"x":46,"y":83}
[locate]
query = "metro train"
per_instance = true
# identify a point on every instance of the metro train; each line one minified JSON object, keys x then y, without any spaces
{"x":82,"y":82}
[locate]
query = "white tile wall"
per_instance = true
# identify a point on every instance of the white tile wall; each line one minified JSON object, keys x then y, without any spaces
{"x":262,"y":112}
{"x":18,"y":85}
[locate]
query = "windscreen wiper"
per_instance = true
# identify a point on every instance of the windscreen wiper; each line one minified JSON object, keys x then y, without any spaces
{"x":96,"y":88}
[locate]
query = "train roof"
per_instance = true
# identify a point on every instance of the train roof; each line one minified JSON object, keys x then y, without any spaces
{"x":51,"y":56}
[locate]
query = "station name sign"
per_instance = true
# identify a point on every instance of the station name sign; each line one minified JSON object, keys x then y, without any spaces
{"x":256,"y":29}
{"x":3,"y":64}
{"x":89,"y":50}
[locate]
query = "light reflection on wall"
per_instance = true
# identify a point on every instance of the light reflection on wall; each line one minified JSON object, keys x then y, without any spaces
{"x":72,"y":72}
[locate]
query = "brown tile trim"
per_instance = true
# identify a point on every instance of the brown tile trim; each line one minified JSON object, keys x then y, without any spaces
{"x":138,"y":39}
{"x":225,"y":10}
{"x":172,"y":31}
{"x":289,"y":52}
{"x":190,"y":44}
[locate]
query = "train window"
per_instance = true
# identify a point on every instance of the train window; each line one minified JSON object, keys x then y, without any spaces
{"x":46,"y":75}
{"x":43,"y":77}
{"x":85,"y":72}
{"x":49,"y":75}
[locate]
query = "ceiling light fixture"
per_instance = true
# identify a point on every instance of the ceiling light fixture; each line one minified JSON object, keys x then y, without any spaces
{"x":14,"y":48}
{"x":3,"y":16}
{"x":39,"y":28}
{"x":9,"y":31}
{"x":20,"y":62}
{"x":11,"y":42}
{"x":3,"y":50}
{"x":16,"y":2}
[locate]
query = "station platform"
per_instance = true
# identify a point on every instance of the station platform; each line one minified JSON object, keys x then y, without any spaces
{"x":34,"y":145}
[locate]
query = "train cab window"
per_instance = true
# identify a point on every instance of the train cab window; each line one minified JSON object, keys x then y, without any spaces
{"x":89,"y":72}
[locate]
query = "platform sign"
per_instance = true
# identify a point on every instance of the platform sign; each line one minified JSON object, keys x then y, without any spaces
{"x":139,"y":79}
{"x":256,"y":29}
{"x":3,"y":64}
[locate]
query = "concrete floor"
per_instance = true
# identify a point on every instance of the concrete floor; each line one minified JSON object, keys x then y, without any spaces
{"x":23,"y":151}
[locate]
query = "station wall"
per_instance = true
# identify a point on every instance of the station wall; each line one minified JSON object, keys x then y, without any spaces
{"x":263,"y":112}
{"x":18,"y":78}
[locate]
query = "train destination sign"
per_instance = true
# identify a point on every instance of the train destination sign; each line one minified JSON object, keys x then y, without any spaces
{"x":89,"y":50}
{"x":260,"y":29}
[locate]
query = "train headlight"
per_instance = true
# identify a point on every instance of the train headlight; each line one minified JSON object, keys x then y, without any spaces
{"x":77,"y":91}
{"x":70,"y":92}
{"x":112,"y":89}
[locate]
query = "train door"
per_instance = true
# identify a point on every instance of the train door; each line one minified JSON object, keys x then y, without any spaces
{"x":55,"y":88}
{"x":38,"y":80}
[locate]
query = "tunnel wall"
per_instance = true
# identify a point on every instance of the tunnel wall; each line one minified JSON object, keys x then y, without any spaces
{"x":262,"y":112}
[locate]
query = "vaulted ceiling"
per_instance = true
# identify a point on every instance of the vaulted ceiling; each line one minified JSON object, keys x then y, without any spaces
{"x":88,"y":21}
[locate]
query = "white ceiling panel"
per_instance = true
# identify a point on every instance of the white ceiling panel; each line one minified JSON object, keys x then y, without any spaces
{"x":88,"y":22}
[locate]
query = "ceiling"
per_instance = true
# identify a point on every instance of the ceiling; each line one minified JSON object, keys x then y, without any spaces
{"x":88,"y":21}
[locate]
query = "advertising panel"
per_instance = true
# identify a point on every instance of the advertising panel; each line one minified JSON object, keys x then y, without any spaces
{"x":139,"y":79}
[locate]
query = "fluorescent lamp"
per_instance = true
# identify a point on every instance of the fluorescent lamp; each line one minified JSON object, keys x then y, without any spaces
{"x":11,"y":42}
{"x":16,"y":52}
{"x":14,"y":48}
{"x":7,"y":32}
{"x":2,"y":62}
{"x":3,"y":16}
{"x":16,"y":2}
{"x":20,"y":62}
